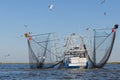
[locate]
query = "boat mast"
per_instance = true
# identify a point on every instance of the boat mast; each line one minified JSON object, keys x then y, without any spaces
{"x":94,"y":52}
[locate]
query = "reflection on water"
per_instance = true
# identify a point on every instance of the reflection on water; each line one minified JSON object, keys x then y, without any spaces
{"x":23,"y":72}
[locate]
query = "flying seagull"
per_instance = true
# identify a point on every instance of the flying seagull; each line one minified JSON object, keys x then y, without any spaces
{"x":51,"y":7}
{"x":103,"y":2}
{"x":105,"y":13}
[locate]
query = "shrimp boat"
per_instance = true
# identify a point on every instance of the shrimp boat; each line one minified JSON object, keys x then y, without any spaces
{"x":75,"y":52}
{"x":79,"y":52}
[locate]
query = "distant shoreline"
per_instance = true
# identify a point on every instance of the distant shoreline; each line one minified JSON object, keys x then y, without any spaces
{"x":29,"y":63}
{"x":113,"y":62}
{"x":14,"y":63}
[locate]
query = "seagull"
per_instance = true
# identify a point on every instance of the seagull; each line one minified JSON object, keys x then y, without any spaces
{"x":7,"y":55}
{"x":103,"y":2}
{"x":105,"y":13}
{"x":25,"y":25}
{"x":51,"y":7}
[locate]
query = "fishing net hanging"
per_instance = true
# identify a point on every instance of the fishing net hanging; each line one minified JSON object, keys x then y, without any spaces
{"x":102,"y":44}
{"x":44,"y":50}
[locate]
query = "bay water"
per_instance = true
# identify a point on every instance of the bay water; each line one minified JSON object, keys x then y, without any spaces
{"x":23,"y":72}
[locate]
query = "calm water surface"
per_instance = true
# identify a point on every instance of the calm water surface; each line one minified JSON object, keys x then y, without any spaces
{"x":23,"y":72}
